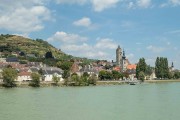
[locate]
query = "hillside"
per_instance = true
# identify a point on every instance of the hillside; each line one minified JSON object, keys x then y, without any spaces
{"x":10,"y":44}
{"x":38,"y":47}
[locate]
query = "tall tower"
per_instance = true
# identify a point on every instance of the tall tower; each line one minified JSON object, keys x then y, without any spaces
{"x":118,"y":56}
{"x":123,"y":62}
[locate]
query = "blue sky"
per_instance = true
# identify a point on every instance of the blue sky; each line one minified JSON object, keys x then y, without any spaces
{"x":94,"y":28}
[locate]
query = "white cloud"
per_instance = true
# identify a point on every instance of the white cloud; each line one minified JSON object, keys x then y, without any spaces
{"x":144,"y":3}
{"x":106,"y":43}
{"x":66,"y":37}
{"x":85,"y":22}
{"x":155,"y":49}
{"x":77,"y":45}
{"x":80,"y":2}
{"x":130,"y":5}
{"x":100,"y":5}
{"x":23,"y":17}
{"x":175,"y":2}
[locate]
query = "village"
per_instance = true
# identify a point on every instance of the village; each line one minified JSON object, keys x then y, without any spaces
{"x":122,"y":65}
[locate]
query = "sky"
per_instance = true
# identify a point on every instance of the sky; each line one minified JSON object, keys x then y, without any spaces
{"x":95,"y":28}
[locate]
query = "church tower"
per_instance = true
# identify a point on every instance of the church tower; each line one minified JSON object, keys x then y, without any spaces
{"x":123,"y":62}
{"x":118,"y":56}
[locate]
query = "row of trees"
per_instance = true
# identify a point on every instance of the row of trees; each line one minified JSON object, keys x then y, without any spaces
{"x":143,"y":69}
{"x":84,"y":80}
{"x":114,"y":75}
{"x":162,"y":68}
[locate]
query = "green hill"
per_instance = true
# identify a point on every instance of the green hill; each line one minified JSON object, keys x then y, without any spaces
{"x":38,"y":47}
{"x":10,"y":44}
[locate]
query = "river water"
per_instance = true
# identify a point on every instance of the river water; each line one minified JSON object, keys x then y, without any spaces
{"x":123,"y":102}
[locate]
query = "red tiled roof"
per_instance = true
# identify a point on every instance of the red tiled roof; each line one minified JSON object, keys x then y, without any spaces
{"x":131,"y":66}
{"x":24,"y":74}
{"x":117,"y":68}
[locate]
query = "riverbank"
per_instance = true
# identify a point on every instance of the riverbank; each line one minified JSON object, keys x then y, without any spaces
{"x":98,"y":83}
{"x":161,"y":81}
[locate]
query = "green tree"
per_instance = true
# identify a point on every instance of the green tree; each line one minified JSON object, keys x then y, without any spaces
{"x":105,"y":75}
{"x":48,"y":55}
{"x":66,"y":65}
{"x":56,"y":79}
{"x":75,"y":79}
{"x":177,"y":75}
{"x":161,"y":68}
{"x":66,"y":74}
{"x":9,"y":75}
{"x":141,"y":67}
{"x":85,"y":74}
{"x":141,"y":76}
{"x":93,"y":79}
{"x":116,"y":75}
{"x":35,"y":82}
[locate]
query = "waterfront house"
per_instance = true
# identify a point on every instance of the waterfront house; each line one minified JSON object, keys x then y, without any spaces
{"x":49,"y":72}
{"x":24,"y":76}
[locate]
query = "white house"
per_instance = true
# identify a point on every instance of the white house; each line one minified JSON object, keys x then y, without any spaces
{"x":49,"y":72}
{"x":24,"y":76}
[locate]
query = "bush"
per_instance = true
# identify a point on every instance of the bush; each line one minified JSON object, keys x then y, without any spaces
{"x":35,"y":80}
{"x":9,"y":75}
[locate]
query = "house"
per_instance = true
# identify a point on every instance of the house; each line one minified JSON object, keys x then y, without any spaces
{"x":88,"y":69}
{"x":24,"y":76}
{"x":49,"y":72}
{"x":12,"y":60}
{"x":132,"y":74}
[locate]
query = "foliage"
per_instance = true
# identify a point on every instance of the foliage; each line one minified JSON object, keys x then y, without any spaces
{"x":177,"y":75}
{"x":141,"y":67}
{"x":48,"y":55}
{"x":105,"y":75}
{"x":93,"y":79}
{"x":116,"y":75}
{"x":40,"y":71}
{"x":85,"y":74}
{"x":64,"y":65}
{"x":35,"y":82}
{"x":141,"y":76}
{"x":56,"y":79}
{"x":22,"y":62}
{"x":161,"y":68}
{"x":66,"y":74}
{"x":9,"y":75}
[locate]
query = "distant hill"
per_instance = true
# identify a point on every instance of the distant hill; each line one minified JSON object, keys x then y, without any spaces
{"x":16,"y":44}
{"x":38,"y":47}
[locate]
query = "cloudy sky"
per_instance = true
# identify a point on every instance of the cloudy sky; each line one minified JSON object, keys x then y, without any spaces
{"x":94,"y":28}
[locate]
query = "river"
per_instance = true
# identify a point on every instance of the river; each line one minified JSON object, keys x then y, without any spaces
{"x":122,"y":102}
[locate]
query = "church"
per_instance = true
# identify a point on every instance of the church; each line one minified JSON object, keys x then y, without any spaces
{"x":121,"y":60}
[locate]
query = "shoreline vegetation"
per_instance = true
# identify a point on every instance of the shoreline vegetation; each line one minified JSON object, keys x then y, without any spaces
{"x":98,"y":83}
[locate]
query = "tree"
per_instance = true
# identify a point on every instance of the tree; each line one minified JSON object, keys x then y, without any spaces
{"x":48,"y":55}
{"x":162,"y":68}
{"x":93,"y":79}
{"x":141,"y":76}
{"x":65,"y":65}
{"x":141,"y":67}
{"x":177,"y":75}
{"x":66,"y":74}
{"x":85,"y":74}
{"x":56,"y":79}
{"x":9,"y":75}
{"x":35,"y":80}
{"x":116,"y":75}
{"x":105,"y":75}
